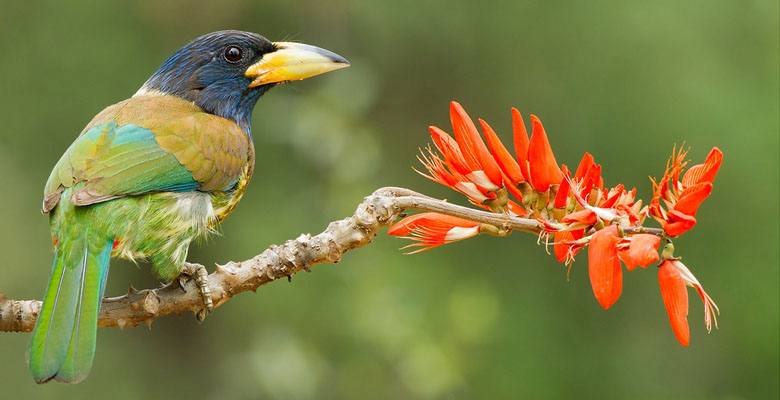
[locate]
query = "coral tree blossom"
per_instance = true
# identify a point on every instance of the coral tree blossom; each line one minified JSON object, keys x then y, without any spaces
{"x":432,"y":229}
{"x":574,"y":211}
{"x":673,"y":276}
{"x":606,"y":277}
{"x":682,"y":197}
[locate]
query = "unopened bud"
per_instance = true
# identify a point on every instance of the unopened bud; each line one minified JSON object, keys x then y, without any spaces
{"x":668,"y":252}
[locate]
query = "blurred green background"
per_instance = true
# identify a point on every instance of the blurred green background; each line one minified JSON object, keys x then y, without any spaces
{"x":486,"y":318}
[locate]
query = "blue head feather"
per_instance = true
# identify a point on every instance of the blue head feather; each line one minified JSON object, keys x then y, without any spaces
{"x":199,"y":72}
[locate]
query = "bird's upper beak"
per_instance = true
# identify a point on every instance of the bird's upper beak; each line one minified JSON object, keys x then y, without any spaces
{"x":292,"y":62}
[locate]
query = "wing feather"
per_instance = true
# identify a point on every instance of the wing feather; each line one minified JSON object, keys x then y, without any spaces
{"x":176,"y":148}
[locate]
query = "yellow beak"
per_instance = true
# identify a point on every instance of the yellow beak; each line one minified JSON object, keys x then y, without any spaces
{"x":293,"y":62}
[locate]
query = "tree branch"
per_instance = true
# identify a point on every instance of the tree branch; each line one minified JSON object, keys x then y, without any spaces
{"x":377,"y":211}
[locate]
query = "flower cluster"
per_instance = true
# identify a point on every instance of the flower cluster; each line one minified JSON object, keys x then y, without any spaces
{"x":574,"y":211}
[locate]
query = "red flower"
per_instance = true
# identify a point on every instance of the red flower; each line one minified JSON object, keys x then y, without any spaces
{"x":704,"y":172}
{"x":586,"y":164}
{"x":562,"y":197}
{"x":446,"y":173}
{"x":469,"y":166}
{"x":588,"y":174}
{"x":682,"y":198}
{"x":606,"y":277}
{"x":520,"y":137}
{"x":677,"y":223}
{"x":580,"y":219}
{"x":566,"y":246}
{"x":510,"y":169}
{"x":433,"y":229}
{"x":605,"y":213}
{"x":640,"y":249}
{"x":542,"y":167}
{"x":673,"y":275}
{"x":484,"y":169}
{"x":675,"y":299}
{"x":691,"y":197}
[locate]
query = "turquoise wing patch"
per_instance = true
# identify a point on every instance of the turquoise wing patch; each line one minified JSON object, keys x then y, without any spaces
{"x":114,"y":161}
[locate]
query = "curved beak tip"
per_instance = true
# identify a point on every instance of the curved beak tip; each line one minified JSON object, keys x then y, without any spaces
{"x":338,"y":59}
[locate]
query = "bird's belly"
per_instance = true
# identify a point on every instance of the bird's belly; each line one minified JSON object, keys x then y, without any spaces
{"x":155,"y":227}
{"x":162,"y":225}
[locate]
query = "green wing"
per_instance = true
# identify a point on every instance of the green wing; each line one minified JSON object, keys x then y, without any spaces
{"x":174,"y":149}
{"x":116,"y":161}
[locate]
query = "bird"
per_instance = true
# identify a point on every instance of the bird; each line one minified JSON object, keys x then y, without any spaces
{"x":149,"y":175}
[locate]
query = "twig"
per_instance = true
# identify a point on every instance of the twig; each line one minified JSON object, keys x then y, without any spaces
{"x":377,"y":211}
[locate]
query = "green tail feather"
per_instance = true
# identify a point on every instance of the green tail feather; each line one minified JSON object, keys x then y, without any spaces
{"x":63,"y":341}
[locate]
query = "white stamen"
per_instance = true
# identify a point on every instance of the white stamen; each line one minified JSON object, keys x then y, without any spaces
{"x":480,"y":178}
{"x":606,"y":214}
{"x":470,"y":190}
{"x":460,"y":233}
{"x":686,"y":274}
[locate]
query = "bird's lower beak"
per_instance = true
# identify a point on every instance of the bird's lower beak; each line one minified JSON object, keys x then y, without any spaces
{"x":293,"y":62}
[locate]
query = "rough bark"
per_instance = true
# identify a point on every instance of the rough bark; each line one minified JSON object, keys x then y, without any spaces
{"x":377,"y":211}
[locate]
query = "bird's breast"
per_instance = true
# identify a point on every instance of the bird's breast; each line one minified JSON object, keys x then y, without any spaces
{"x":224,"y":202}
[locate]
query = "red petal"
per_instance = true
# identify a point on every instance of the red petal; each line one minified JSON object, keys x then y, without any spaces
{"x":429,"y":230}
{"x":405,"y":226}
{"x":447,"y":175}
{"x":563,"y":190}
{"x":442,"y":139}
{"x":642,"y":251}
{"x":675,"y":299}
{"x":520,"y":136}
{"x":544,"y":169}
{"x":591,"y":179}
{"x":428,"y":219}
{"x":704,"y":172}
{"x":508,"y":164}
{"x":462,"y":133}
{"x":562,"y":249}
{"x":627,"y":260}
{"x":515,"y":208}
{"x":691,"y":198}
{"x":450,"y":150}
{"x":609,"y":202}
{"x":604,"y":266}
{"x":471,"y":144}
{"x":585,"y":164}
{"x":617,"y":282}
{"x":584,"y":216}
{"x":678,"y":223}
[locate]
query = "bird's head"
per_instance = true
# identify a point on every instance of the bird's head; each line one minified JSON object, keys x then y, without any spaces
{"x":226,"y":72}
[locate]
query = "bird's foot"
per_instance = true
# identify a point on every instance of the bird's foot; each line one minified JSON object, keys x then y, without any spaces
{"x":201,"y":277}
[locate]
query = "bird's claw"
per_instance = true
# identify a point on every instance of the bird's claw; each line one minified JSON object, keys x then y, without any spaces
{"x":201,"y":276}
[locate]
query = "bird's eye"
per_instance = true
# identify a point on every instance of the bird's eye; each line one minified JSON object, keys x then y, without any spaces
{"x":233,"y":53}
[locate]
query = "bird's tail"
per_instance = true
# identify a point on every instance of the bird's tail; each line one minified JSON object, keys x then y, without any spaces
{"x":63,"y":341}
